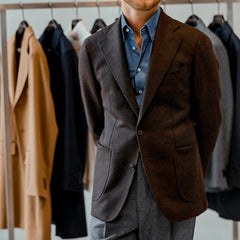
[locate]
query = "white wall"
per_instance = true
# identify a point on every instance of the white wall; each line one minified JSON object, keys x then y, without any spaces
{"x":209,"y":225}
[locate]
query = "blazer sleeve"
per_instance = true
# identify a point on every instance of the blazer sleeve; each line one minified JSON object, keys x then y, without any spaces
{"x":42,"y":128}
{"x":91,"y":93}
{"x":207,"y":96}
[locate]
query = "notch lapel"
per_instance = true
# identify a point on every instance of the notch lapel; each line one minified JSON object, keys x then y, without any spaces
{"x":12,"y":64}
{"x":114,"y":53}
{"x":23,"y":64}
{"x":165,"y":48}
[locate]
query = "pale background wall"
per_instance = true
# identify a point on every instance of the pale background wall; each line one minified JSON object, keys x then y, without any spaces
{"x":209,"y":225}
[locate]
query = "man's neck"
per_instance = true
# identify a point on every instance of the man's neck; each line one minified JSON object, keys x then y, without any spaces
{"x":135,"y":18}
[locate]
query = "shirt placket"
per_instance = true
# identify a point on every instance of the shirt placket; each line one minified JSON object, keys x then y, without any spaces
{"x":135,"y":56}
{"x":139,"y":71}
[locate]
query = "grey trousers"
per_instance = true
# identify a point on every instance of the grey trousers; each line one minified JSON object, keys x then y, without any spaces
{"x":141,"y":217}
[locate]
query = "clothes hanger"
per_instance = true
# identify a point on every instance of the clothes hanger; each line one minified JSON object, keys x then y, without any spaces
{"x":75,"y":21}
{"x":53,"y":23}
{"x":192,"y":20}
{"x":21,"y":29}
{"x":218,"y":19}
{"x":99,"y":23}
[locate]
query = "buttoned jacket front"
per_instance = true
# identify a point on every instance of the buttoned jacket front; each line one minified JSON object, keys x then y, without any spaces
{"x":174,"y":131}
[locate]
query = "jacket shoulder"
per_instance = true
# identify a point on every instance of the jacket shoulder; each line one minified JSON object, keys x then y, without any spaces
{"x":99,"y":35}
{"x":189,"y":34}
{"x":35,"y":47}
{"x":66,"y":46}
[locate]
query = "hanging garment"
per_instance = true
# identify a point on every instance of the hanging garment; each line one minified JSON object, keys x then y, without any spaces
{"x":66,"y":187}
{"x":33,"y":137}
{"x":215,"y":179}
{"x":226,"y":203}
{"x":232,"y":44}
{"x":175,"y":130}
{"x":98,"y":25}
{"x":77,"y":36}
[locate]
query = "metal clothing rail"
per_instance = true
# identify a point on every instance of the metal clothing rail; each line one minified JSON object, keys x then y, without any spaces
{"x":4,"y":73}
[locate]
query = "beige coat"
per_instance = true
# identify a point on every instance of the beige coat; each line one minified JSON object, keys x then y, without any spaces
{"x":33,"y":138}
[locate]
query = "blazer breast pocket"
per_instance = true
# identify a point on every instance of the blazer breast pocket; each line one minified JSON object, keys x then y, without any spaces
{"x":102,"y":170}
{"x":189,"y":172}
{"x":175,"y":73}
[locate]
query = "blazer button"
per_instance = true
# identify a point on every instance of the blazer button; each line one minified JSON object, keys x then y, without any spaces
{"x":140,"y":132}
{"x":132,"y":165}
{"x":194,"y":123}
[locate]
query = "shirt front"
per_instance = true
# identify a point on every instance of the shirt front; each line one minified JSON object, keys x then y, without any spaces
{"x":138,"y":63}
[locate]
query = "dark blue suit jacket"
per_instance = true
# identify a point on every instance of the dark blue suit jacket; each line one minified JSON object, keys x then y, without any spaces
{"x":66,"y":187}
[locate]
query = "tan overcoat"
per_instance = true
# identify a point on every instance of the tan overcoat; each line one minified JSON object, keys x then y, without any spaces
{"x":33,"y":137}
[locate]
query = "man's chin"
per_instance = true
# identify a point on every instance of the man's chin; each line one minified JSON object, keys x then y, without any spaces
{"x":144,"y":7}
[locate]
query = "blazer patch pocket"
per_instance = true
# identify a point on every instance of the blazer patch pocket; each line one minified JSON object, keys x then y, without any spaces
{"x":189,"y":172}
{"x":102,"y":169}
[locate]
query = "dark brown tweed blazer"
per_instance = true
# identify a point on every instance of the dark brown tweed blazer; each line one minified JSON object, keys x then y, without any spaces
{"x":174,"y":131}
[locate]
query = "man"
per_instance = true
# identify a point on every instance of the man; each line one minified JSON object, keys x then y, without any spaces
{"x":151,"y":92}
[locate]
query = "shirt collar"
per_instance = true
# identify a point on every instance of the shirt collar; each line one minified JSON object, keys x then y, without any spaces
{"x":151,"y":24}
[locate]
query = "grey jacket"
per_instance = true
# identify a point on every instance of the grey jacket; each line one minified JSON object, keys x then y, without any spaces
{"x":215,"y":180}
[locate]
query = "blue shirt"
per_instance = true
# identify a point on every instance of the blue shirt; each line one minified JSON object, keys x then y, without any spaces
{"x":138,"y":63}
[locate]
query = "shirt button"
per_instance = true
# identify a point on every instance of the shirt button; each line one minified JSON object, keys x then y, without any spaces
{"x":133,"y":48}
{"x":140,"y":132}
{"x":127,"y":30}
{"x":140,"y":91}
{"x":139,"y":69}
{"x":194,"y":123}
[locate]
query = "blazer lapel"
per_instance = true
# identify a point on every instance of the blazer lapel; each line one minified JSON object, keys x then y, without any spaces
{"x":12,"y":71}
{"x":165,"y":48}
{"x":23,"y":64}
{"x":114,"y":53}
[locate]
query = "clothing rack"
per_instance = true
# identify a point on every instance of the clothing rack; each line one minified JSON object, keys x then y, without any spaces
{"x":4,"y":73}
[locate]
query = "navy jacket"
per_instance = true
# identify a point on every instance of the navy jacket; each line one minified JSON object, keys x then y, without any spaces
{"x":66,"y":186}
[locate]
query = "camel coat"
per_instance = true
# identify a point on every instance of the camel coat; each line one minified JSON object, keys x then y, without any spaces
{"x":33,"y":137}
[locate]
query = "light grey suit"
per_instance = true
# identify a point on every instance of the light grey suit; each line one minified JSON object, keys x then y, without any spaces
{"x":215,"y":179}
